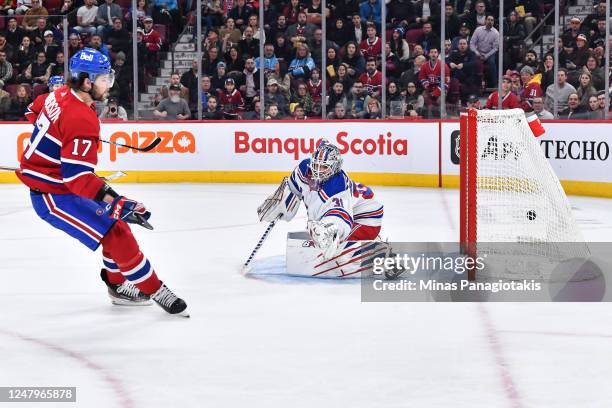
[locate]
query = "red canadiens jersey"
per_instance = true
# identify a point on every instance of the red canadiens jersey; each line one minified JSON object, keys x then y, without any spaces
{"x":153,"y":40}
{"x":63,"y":150}
{"x":510,"y":101}
{"x":371,"y":49}
{"x":532,"y":90}
{"x":430,"y":76}
{"x":371,"y":82}
{"x":231,"y":102}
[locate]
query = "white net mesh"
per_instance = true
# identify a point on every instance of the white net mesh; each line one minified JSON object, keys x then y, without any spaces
{"x":519,"y":197}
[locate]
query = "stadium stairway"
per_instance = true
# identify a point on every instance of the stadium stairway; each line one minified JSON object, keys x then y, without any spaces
{"x":179,"y":58}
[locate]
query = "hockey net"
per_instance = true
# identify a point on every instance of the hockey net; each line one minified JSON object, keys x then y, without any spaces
{"x":510,"y":194}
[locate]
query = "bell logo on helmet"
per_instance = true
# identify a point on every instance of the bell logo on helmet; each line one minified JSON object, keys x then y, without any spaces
{"x":87,"y":57}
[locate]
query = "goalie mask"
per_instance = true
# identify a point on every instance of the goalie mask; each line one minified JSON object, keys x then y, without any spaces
{"x":325,"y":163}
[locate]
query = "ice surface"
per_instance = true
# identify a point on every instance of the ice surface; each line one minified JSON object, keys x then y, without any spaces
{"x":254,"y":343}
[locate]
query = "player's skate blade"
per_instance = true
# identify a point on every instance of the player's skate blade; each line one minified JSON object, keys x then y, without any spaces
{"x":125,"y":294}
{"x":170,"y":302}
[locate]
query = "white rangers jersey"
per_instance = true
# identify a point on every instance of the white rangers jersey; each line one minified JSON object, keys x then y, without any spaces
{"x":339,"y":200}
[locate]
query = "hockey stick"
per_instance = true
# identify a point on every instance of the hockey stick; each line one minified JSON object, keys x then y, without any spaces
{"x":112,"y":177}
{"x":260,"y":243}
{"x":147,"y":148}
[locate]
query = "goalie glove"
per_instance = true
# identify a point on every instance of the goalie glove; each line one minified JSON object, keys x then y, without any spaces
{"x":325,"y":236}
{"x":283,"y":204}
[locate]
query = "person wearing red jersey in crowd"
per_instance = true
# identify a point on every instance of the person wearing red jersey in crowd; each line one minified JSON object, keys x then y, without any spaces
{"x":430,"y":76}
{"x":509,"y":100}
{"x":372,"y":78}
{"x":291,"y":11}
{"x":516,"y":87}
{"x":371,"y":46}
{"x":151,"y":37}
{"x":230,"y":99}
{"x":58,"y":168}
{"x":152,"y":42}
{"x":315,"y":86}
{"x":531,"y":87}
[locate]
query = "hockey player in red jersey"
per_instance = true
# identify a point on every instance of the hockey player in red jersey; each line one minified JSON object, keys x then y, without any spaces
{"x":58,"y":167}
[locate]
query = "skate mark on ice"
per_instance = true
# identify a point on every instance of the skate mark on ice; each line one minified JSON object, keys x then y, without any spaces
{"x":121,"y":393}
{"x":492,"y":335}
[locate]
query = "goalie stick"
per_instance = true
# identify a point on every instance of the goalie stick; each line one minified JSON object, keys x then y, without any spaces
{"x":260,"y":243}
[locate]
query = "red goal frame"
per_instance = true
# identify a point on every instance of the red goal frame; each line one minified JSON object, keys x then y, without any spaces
{"x":468,"y":172}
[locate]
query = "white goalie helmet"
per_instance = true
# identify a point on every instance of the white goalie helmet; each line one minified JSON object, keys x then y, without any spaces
{"x":326,"y":162}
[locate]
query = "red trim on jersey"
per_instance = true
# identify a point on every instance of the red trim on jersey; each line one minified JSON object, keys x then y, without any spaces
{"x":70,"y":220}
{"x":363,"y":233}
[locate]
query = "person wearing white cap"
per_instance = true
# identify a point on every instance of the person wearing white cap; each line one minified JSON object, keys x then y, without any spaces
{"x":275,"y":96}
{"x":152,"y":41}
{"x":86,"y":17}
{"x":48,"y":46}
{"x":580,"y":54}
{"x":569,"y":35}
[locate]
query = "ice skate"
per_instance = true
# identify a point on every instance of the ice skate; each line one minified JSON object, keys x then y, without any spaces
{"x":125,"y":294}
{"x":169,"y":301}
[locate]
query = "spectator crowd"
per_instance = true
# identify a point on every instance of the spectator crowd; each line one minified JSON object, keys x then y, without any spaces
{"x":33,"y":48}
{"x":297,"y":63}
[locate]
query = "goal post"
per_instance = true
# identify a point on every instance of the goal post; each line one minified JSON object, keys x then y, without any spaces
{"x":467,"y":186}
{"x":509,"y":193}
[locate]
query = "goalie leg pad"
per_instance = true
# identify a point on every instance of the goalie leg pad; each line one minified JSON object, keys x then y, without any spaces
{"x":352,"y":259}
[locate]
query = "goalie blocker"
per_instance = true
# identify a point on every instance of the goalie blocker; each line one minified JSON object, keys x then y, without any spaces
{"x":340,"y":212}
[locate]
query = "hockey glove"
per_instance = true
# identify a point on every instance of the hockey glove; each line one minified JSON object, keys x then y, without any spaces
{"x":130,"y":211}
{"x":283,"y":204}
{"x":325,"y":237}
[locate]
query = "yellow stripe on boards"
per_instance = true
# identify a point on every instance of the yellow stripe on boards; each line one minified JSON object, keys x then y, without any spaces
{"x":261,"y":177}
{"x":268,"y":177}
{"x":7,"y":177}
{"x":584,"y":188}
{"x":581,"y":188}
{"x":587,"y":188}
